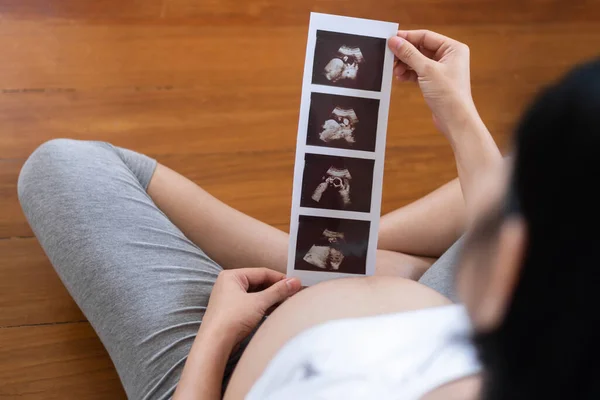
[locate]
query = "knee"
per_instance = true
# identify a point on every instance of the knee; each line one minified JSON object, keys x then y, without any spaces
{"x":47,"y":164}
{"x":39,"y":164}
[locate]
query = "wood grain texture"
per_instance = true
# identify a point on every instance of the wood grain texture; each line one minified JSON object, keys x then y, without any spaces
{"x":12,"y":220}
{"x":284,"y":13}
{"x":30,"y":291}
{"x":129,"y":85}
{"x":64,"y":361}
{"x":212,"y":88}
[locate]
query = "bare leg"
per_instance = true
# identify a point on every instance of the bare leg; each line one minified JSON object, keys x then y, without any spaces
{"x":228,"y":236}
{"x":428,"y":226}
{"x":236,"y":240}
{"x":392,"y":263}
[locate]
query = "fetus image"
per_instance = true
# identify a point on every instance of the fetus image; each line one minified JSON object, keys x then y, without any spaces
{"x":340,"y":126}
{"x":327,"y":254}
{"x":342,"y":122}
{"x":344,"y":65}
{"x":337,"y":180}
{"x":337,"y":183}
{"x":350,"y":61}
{"x":332,"y":245}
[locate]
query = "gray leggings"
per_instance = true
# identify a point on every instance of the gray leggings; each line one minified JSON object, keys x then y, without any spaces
{"x":140,"y":282}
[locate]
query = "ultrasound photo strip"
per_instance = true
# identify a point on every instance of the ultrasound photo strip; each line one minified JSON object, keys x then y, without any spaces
{"x":340,"y":149}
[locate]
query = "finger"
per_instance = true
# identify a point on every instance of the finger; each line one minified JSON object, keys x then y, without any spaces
{"x":408,"y":76}
{"x":278,"y":292}
{"x":427,"y":53}
{"x":399,"y":69}
{"x":409,"y":54}
{"x":254,"y":277}
{"x":422,"y":38}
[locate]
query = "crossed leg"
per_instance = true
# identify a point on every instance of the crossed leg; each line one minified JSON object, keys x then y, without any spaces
{"x":139,"y":248}
{"x":410,"y":238}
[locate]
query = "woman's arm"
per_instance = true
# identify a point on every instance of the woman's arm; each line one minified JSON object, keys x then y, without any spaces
{"x":475,"y":153}
{"x":202,"y":377}
{"x":239,"y":300}
{"x":440,"y":66}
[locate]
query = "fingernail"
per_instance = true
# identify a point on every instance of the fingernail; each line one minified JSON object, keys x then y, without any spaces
{"x":289,"y":284}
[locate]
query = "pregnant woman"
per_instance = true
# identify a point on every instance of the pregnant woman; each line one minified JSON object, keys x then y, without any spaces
{"x":142,"y":250}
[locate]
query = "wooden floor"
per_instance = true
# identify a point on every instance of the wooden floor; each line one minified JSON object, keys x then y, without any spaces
{"x":211,"y":88}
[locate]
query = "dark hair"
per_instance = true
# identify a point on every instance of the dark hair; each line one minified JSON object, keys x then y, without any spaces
{"x":548,"y":345}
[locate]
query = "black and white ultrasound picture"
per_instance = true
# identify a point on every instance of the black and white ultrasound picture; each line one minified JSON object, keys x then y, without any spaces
{"x":332,"y":244}
{"x":349,"y":61}
{"x":337,"y":183}
{"x":342,"y":122}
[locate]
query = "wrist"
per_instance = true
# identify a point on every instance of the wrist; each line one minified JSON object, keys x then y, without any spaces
{"x":470,"y":139}
{"x":204,"y":368}
{"x":465,"y":121}
{"x":218,"y":332}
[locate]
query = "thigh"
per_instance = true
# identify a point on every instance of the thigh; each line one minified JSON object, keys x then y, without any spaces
{"x":140,"y":282}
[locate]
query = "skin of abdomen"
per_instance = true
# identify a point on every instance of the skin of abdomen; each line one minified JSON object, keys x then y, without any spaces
{"x":337,"y":299}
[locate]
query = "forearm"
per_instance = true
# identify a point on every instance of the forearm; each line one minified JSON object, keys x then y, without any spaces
{"x":428,"y":226}
{"x":202,"y":375}
{"x":475,"y":152}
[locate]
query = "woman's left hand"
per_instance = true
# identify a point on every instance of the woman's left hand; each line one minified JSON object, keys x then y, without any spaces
{"x":240,"y":299}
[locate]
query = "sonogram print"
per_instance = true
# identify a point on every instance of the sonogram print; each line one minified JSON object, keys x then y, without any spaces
{"x":332,"y":244}
{"x":337,"y":183}
{"x":350,"y":61}
{"x":342,"y":122}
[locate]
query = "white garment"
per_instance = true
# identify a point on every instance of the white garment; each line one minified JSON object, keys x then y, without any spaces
{"x":397,"y":356}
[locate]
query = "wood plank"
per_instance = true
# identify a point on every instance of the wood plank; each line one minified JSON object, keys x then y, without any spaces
{"x":30,"y":290}
{"x":260,"y":184}
{"x":274,"y":12}
{"x":70,"y":9}
{"x":422,"y":12}
{"x":65,"y":361}
{"x":12,"y":220}
{"x":92,"y":82}
{"x":54,"y":55}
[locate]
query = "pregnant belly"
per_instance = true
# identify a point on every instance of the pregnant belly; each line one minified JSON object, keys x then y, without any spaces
{"x":342,"y":298}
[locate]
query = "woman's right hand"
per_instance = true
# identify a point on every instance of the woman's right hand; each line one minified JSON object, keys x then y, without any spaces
{"x":440,"y":66}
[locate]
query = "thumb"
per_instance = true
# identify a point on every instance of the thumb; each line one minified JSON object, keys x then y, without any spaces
{"x":409,"y":55}
{"x":278,"y":292}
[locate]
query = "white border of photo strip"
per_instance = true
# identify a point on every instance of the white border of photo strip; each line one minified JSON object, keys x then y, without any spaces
{"x":353,"y":26}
